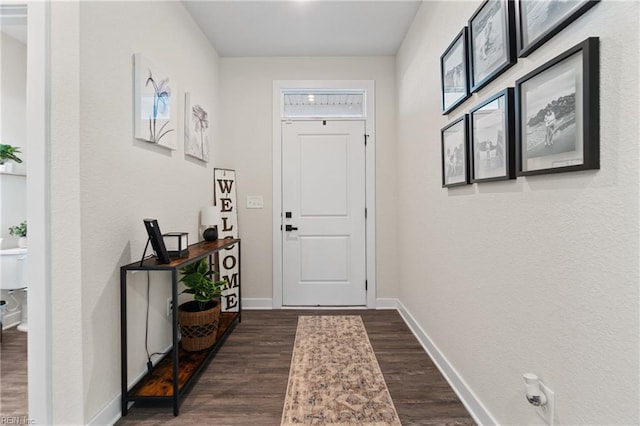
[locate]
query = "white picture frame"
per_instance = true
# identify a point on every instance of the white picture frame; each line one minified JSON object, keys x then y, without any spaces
{"x":196,"y":127}
{"x":155,"y":110}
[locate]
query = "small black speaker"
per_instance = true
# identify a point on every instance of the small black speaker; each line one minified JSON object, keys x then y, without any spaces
{"x":210,"y":234}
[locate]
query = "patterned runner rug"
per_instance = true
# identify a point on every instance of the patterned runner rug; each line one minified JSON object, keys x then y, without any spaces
{"x":335,"y":378}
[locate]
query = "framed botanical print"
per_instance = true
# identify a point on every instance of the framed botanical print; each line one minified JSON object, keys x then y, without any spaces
{"x":492,"y":47}
{"x":154,"y":104}
{"x":557,"y":113}
{"x":492,"y":131}
{"x":454,"y":81}
{"x":455,"y":159}
{"x":540,"y":20}
{"x":196,"y":127}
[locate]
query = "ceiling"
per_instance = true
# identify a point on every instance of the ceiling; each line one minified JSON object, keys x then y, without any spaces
{"x":304,"y":27}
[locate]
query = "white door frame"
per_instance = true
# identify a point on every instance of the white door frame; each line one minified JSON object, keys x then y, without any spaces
{"x":280,"y":86}
{"x":40,"y":383}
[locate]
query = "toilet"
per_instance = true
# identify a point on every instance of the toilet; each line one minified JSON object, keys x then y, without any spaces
{"x":13,"y":276}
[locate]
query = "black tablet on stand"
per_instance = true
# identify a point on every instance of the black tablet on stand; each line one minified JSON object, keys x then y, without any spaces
{"x":155,"y":237}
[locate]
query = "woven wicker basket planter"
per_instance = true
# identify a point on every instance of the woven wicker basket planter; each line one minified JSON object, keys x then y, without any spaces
{"x":199,"y":329}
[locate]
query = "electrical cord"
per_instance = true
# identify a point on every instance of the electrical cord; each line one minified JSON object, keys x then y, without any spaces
{"x":146,"y":329}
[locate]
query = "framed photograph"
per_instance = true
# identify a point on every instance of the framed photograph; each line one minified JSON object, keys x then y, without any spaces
{"x":557,"y":113}
{"x":455,"y":161}
{"x":155,"y":108}
{"x":453,"y":71}
{"x":492,"y":128}
{"x":492,"y":46}
{"x":196,"y":128}
{"x":540,"y":20}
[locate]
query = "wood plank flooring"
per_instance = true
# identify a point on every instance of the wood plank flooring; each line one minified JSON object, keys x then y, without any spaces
{"x":13,"y":374}
{"x":246,"y":382}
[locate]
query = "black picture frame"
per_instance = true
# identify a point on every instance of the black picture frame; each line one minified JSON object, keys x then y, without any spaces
{"x":492,"y":138}
{"x":533,"y":31}
{"x":492,"y":44}
{"x":454,"y":139}
{"x":454,"y":73}
{"x":557,"y":113}
{"x":155,"y":237}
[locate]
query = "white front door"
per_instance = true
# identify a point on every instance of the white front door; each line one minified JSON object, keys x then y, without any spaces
{"x":323,"y":192}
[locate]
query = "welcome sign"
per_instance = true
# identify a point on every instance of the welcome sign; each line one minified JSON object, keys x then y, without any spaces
{"x":224,"y":197}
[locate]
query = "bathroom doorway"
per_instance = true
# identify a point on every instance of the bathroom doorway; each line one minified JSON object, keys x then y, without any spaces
{"x":13,"y":211}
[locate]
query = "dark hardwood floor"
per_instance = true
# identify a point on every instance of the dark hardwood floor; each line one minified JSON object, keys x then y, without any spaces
{"x":246,"y":382}
{"x":13,"y":374}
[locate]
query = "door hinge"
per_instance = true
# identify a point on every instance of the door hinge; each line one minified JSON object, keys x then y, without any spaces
{"x":365,"y":139}
{"x":365,"y":212}
{"x":366,"y":285}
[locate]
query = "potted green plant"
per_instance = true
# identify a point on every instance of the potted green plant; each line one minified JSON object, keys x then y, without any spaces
{"x":8,"y":153}
{"x":199,"y":318}
{"x":21,"y":232}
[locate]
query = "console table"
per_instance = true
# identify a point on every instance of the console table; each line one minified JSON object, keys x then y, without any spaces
{"x":174,"y":374}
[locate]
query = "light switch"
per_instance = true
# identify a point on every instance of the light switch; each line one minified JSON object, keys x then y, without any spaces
{"x":255,"y":202}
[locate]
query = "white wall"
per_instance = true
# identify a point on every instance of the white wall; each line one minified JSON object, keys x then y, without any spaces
{"x":104,"y":183}
{"x":247,"y":132}
{"x":535,"y":275}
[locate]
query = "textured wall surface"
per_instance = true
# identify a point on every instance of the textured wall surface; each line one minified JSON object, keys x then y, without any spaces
{"x":539,"y":274}
{"x":104,"y":183}
{"x":247,"y":96}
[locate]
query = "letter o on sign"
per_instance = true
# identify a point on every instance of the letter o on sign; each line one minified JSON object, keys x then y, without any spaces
{"x":229,"y":262}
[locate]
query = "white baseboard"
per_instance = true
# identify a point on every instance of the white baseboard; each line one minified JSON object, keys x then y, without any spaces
{"x":265,"y":303}
{"x":109,"y":414}
{"x":112,"y":412}
{"x":11,"y":319}
{"x":476,"y":409}
{"x":386,"y":303}
{"x":255,"y":303}
{"x":324,"y":308}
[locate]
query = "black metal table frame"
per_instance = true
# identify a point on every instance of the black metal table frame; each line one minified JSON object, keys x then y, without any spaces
{"x":173,"y":268}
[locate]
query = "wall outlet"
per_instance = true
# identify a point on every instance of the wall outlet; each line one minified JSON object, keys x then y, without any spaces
{"x":169,"y":307}
{"x":547,"y":411}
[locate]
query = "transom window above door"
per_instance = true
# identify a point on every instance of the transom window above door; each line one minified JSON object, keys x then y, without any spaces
{"x":323,"y":104}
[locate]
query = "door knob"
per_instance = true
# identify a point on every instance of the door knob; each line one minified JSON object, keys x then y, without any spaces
{"x":290,"y":228}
